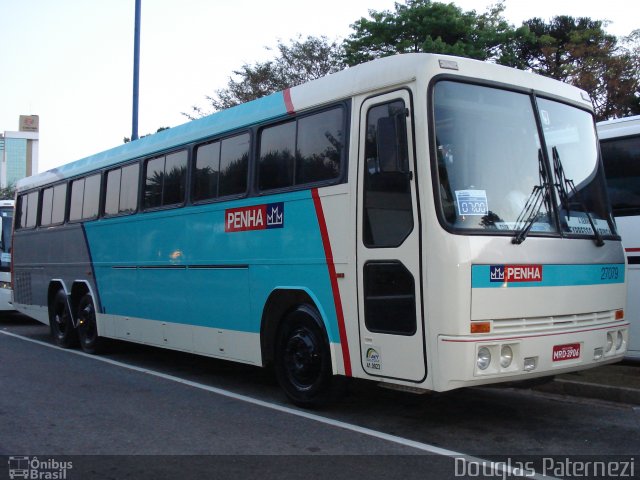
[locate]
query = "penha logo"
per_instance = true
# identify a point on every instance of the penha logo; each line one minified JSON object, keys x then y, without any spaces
{"x":256,"y":217}
{"x":515,"y":273}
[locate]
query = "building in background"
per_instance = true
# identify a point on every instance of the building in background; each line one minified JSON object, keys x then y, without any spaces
{"x":19,"y":151}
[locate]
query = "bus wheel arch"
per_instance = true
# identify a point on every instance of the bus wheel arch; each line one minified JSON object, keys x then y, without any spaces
{"x":294,"y":339}
{"x":279,"y":304}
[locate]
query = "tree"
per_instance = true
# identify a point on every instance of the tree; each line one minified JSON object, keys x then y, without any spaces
{"x":298,"y":62}
{"x":580,"y":52}
{"x":432,"y":27}
{"x":8,"y":192}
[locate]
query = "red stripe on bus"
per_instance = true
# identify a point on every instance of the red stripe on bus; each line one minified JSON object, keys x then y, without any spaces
{"x":632,"y":249}
{"x":334,"y":281}
{"x":287,"y":101}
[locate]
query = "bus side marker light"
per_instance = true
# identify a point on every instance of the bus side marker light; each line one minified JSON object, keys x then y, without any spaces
{"x":619,"y":314}
{"x":481,"y":327}
{"x":448,"y":64}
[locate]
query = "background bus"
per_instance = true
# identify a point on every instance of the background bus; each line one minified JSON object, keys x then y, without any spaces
{"x":6,"y":225}
{"x":620,"y":146}
{"x":422,"y":221}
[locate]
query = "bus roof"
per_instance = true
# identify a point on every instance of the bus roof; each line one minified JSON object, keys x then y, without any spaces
{"x":380,"y":74}
{"x":619,"y":127}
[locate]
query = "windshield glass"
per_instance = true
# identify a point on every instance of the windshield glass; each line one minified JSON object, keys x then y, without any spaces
{"x":573,"y":152}
{"x":489,"y":161}
{"x":493,"y":174}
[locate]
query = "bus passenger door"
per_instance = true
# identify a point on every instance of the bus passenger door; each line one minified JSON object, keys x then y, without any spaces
{"x":392,"y":343}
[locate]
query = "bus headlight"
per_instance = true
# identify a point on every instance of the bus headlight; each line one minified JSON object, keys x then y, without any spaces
{"x":484,"y":358}
{"x":609,"y":341}
{"x":619,"y":340}
{"x":506,"y":356}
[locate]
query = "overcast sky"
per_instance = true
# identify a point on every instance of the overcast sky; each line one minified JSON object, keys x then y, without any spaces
{"x":71,"y":61}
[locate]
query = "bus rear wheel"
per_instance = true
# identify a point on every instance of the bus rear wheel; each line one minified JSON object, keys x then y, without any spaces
{"x":302,"y":359}
{"x":60,"y":322}
{"x":90,"y":342}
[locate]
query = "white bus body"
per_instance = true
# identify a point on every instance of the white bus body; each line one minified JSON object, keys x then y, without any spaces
{"x":620,"y":147}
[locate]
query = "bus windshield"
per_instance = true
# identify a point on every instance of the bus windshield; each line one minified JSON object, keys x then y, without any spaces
{"x":492,"y":166}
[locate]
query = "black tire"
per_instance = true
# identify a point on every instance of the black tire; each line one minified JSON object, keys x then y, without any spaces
{"x":60,"y":322}
{"x":302,"y":359}
{"x":90,"y":342}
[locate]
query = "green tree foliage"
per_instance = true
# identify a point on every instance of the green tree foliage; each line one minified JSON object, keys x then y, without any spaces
{"x":433,"y":27}
{"x":580,"y":52}
{"x":8,"y":193}
{"x":298,"y":62}
{"x":575,"y":50}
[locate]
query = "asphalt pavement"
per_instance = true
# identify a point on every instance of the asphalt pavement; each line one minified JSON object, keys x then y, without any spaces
{"x":619,"y":382}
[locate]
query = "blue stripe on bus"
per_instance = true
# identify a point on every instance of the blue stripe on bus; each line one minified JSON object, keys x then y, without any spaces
{"x":552,"y":276}
{"x":174,"y":270}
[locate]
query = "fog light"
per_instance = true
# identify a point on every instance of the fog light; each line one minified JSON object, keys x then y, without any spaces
{"x":506,"y":356}
{"x":597,"y":353}
{"x":609,"y":341}
{"x":484,"y":358}
{"x":529,"y":364}
{"x":619,"y":340}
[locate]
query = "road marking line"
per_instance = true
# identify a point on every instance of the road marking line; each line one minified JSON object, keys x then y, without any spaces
{"x":500,"y":467}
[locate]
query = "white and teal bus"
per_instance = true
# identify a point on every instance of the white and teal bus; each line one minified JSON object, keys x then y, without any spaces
{"x":620,"y":146}
{"x":422,"y":221}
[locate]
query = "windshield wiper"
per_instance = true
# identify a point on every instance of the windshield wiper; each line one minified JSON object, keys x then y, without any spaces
{"x":531,"y":210}
{"x":564,"y":186}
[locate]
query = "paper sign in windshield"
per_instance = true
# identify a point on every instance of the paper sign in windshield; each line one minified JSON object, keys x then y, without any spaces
{"x":582,"y":226}
{"x":472,"y":202}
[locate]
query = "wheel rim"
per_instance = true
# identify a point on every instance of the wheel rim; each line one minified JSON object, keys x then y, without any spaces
{"x":61,"y":320}
{"x":303,"y":359}
{"x":86,"y":324}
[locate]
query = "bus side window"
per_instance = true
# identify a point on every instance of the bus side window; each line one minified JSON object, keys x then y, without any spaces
{"x":304,"y":151}
{"x":621,"y":157}
{"x":165,"y":181}
{"x":121,"y":196}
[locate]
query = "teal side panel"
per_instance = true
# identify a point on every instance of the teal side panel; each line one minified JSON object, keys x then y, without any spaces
{"x":182,"y":266}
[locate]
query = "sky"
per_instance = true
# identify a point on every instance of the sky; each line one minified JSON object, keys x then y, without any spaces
{"x":71,"y":61}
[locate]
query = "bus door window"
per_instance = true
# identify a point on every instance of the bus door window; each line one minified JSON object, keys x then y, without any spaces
{"x":388,"y":216}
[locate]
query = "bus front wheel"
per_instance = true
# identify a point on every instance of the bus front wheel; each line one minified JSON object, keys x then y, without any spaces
{"x":302,"y":358}
{"x":60,"y":322}
{"x":90,"y":342}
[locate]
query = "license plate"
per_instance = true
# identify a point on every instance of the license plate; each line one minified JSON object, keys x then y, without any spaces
{"x":569,"y":351}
